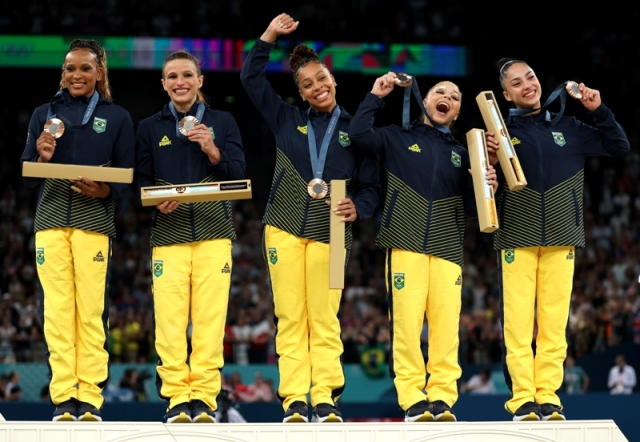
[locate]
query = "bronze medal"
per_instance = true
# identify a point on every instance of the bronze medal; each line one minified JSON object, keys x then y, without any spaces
{"x":317,"y":188}
{"x":55,"y":127}
{"x":574,"y":90}
{"x":186,"y":124}
{"x":404,"y":80}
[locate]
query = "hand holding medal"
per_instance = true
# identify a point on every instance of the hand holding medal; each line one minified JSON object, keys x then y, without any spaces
{"x":201,"y":134}
{"x":404,"y":80}
{"x":46,"y":146}
{"x":384,"y":85}
{"x":590,"y":98}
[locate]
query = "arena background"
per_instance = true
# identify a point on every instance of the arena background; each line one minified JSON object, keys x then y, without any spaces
{"x":560,"y":44}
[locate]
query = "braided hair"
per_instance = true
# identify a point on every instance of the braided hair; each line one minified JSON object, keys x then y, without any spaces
{"x":184,"y":55}
{"x":96,"y":48}
{"x":301,"y":56}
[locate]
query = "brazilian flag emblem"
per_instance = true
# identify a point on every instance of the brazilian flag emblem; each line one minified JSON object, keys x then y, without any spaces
{"x":343,"y":139}
{"x":398,"y":281}
{"x":99,"y":125}
{"x":158,"y":267}
{"x":509,"y":255}
{"x":213,"y":135}
{"x":558,"y":137}
{"x":273,"y":255}
{"x":40,"y":255}
{"x":455,"y":159}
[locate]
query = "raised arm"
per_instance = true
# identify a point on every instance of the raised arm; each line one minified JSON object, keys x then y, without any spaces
{"x":253,"y":75}
{"x":361,"y":129}
{"x":608,"y":137}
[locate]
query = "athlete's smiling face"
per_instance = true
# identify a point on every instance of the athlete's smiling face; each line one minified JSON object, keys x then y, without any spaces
{"x":182,"y":82}
{"x":80,"y":73}
{"x":521,"y":86}
{"x":317,"y":86}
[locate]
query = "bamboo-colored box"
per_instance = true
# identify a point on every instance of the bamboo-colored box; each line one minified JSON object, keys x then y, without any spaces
{"x":197,"y":192}
{"x":336,"y":237}
{"x":73,"y":171}
{"x":506,"y":153}
{"x":485,"y":199}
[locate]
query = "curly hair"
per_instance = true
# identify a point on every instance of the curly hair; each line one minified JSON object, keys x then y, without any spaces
{"x":96,"y":48}
{"x":301,"y":56}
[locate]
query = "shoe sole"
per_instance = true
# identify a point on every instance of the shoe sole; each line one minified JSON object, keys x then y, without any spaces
{"x":88,"y":417}
{"x":554,"y":417}
{"x":527,"y":417}
{"x":331,"y":418}
{"x":182,"y":418}
{"x":204,"y":418}
{"x":67,"y":417}
{"x":447,"y":416}
{"x":295,"y":418}
{"x":425,"y":417}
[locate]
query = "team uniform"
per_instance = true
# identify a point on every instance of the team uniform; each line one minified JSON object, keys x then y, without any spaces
{"x":540,"y":228}
{"x":429,"y":193}
{"x":296,"y":237}
{"x":73,"y":243}
{"x":191,"y":252}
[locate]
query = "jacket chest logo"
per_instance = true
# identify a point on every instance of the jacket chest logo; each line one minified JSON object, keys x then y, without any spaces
{"x":456,"y":159}
{"x":302,"y":129}
{"x":343,"y":139}
{"x":415,"y":148}
{"x":165,"y":141}
{"x":558,"y":138}
{"x":99,"y":125}
{"x":515,"y":141}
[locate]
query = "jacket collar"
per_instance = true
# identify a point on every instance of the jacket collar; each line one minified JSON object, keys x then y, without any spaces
{"x":166,"y":112}
{"x":432,"y":131}
{"x":63,"y":96}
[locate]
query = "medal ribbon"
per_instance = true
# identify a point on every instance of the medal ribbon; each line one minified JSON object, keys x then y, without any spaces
{"x":199,"y":114}
{"x":406,"y":105}
{"x":318,"y":158}
{"x":87,"y":114}
{"x":560,"y":91}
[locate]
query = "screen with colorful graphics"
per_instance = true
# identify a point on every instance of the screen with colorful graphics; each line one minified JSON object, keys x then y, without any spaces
{"x":227,"y":55}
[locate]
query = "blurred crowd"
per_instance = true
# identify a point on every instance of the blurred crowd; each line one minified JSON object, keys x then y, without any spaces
{"x":605,"y":309}
{"x":351,"y":20}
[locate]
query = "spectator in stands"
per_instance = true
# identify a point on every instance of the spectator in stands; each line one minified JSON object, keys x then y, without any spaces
{"x":622,"y":377}
{"x":576,"y":380}
{"x":7,"y":338}
{"x":259,"y":391}
{"x":12,"y":391}
{"x":480,"y":383}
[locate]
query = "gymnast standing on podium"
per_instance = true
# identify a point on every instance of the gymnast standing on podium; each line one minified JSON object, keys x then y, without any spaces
{"x":188,"y":142}
{"x":540,"y":228}
{"x":312,"y":148}
{"x":75,"y":225}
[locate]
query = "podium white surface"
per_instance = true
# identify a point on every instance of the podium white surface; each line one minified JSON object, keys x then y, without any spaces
{"x":568,"y":431}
